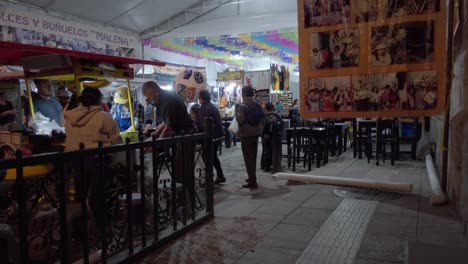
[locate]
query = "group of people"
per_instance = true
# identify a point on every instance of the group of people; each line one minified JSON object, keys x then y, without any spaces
{"x":345,"y":55}
{"x":326,"y":12}
{"x":325,"y":100}
{"x":88,"y":120}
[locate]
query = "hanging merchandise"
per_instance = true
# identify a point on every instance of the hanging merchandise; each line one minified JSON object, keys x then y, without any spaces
{"x":277,"y":80}
{"x":287,"y":85}
{"x":281,"y":77}
{"x":372,"y":58}
{"x":272,"y":74}
{"x":229,"y":88}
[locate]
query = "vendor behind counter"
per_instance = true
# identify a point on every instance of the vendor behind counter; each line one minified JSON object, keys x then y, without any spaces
{"x":45,"y":102}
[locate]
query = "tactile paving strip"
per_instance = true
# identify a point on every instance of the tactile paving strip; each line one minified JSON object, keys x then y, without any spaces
{"x":339,"y":239}
{"x":366,"y":194}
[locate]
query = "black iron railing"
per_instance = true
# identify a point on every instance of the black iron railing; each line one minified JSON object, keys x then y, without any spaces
{"x":108,"y":204}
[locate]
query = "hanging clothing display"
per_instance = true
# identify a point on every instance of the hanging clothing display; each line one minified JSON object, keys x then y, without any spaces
{"x":286,"y":80}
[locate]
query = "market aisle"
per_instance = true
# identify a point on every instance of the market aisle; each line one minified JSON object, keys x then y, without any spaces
{"x":281,"y":222}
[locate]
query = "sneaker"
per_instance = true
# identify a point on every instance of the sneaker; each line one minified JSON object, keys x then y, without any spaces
{"x":220,"y":180}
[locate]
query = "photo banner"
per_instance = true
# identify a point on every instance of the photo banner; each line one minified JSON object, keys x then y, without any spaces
{"x":41,"y":30}
{"x":372,"y":58}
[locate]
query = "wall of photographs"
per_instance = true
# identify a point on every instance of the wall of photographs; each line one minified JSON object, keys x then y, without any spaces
{"x":372,"y":58}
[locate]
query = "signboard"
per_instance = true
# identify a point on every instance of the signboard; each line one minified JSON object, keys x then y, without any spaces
{"x":373,"y":58}
{"x":167,"y":74}
{"x":230,"y":76}
{"x":41,"y":30}
{"x":189,"y":83}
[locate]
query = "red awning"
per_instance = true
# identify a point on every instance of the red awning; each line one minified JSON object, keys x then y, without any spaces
{"x":11,"y":53}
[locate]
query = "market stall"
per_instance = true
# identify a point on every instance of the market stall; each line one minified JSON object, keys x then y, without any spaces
{"x":229,"y":85}
{"x":66,"y":65}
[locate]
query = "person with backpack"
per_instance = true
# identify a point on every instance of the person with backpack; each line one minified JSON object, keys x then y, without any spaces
{"x":208,"y":110}
{"x":250,"y":117}
{"x":271,"y":140}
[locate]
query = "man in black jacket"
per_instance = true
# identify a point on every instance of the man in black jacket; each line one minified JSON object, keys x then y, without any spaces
{"x":251,"y":120}
{"x":207,"y":109}
{"x":271,"y":140}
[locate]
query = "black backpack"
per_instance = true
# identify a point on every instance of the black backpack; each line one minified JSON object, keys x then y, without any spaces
{"x":276,"y":126}
{"x":254,"y":114}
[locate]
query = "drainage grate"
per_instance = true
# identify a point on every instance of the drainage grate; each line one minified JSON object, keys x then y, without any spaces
{"x":366,"y":194}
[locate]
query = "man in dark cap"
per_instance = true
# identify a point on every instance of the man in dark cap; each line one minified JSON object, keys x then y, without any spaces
{"x":207,"y":109}
{"x":250,"y":117}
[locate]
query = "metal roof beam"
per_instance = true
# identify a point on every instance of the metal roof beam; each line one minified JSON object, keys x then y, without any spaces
{"x":124,"y":13}
{"x":64,"y":16}
{"x":187,"y":16}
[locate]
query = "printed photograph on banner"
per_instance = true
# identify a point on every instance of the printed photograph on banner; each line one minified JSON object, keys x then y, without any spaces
{"x":30,"y":37}
{"x":403,"y":43}
{"x":366,"y":10}
{"x":7,"y":34}
{"x":377,"y":92}
{"x":326,"y":12}
{"x":127,"y":52}
{"x":328,"y":94}
{"x":112,"y":50}
{"x":399,"y":8}
{"x":335,"y":49}
{"x":422,"y":90}
{"x":98,"y":48}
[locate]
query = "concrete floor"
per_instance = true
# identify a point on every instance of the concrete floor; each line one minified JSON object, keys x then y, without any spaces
{"x":309,"y":223}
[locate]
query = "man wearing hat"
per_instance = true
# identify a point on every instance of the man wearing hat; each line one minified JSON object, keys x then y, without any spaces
{"x":121,"y":110}
{"x":316,"y":59}
{"x":381,"y":56}
{"x":251,"y":119}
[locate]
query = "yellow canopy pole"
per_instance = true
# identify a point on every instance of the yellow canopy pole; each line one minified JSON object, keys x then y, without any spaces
{"x":81,"y":88}
{"x":30,"y":100}
{"x":78,"y":87}
{"x":130,"y":105}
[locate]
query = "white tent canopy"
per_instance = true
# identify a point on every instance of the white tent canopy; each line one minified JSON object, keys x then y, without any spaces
{"x":175,"y":18}
{"x":182,"y":17}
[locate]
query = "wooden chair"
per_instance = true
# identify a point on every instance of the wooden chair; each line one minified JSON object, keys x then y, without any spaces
{"x":386,"y":134}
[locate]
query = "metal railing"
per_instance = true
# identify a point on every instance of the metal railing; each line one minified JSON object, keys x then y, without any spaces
{"x":95,"y":206}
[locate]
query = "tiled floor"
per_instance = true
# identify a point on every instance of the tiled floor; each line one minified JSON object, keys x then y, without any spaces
{"x":284,"y":223}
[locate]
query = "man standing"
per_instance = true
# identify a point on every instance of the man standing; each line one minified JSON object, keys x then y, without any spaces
{"x":45,"y":103}
{"x":251,"y":119}
{"x":177,"y":120}
{"x":173,"y":110}
{"x":209,"y":110}
{"x":271,"y":140}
